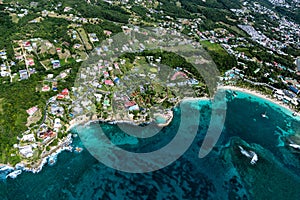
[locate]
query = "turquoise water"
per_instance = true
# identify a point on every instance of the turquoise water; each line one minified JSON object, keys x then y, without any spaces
{"x":224,"y":174}
{"x":160,"y":120}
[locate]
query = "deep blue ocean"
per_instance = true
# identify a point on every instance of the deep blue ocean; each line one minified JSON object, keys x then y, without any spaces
{"x":224,"y":174}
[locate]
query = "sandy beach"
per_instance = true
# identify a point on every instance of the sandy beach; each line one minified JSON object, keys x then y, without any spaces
{"x":258,"y":94}
{"x":194,"y":99}
{"x":84,"y":119}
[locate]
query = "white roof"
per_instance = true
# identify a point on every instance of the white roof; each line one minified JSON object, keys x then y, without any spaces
{"x":57,"y":121}
{"x":279,"y":92}
{"x":26,"y":151}
{"x":29,"y":137}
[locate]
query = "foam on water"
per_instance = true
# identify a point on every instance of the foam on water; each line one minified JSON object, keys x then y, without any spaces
{"x":224,"y":174}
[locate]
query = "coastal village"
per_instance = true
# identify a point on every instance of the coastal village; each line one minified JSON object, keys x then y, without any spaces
{"x":49,"y":135}
{"x":137,"y":88}
{"x":113,"y":96}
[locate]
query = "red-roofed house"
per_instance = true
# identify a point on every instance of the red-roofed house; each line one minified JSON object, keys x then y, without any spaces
{"x":130,"y":104}
{"x":116,"y":65}
{"x":30,"y":62}
{"x":32,"y":110}
{"x":106,"y":74}
{"x":109,"y":82}
{"x":174,"y":77}
{"x":60,"y":96}
{"x":65,"y":92}
{"x":108,"y":33}
{"x":46,"y":88}
{"x":27,"y":44}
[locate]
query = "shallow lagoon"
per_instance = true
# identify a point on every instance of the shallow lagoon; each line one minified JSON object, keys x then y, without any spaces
{"x":224,"y":174}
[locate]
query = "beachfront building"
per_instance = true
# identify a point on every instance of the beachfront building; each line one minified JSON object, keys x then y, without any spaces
{"x":57,"y":125}
{"x":28,"y":138}
{"x":26,"y":151}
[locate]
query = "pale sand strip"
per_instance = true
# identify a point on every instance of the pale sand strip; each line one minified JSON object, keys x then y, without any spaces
{"x":258,"y":94}
{"x":74,"y":123}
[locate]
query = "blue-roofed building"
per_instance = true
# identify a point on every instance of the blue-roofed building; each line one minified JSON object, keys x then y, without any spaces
{"x":23,"y":74}
{"x":272,"y":80}
{"x":105,"y":48}
{"x":117,"y":80}
{"x":282,"y":67}
{"x":55,"y":63}
{"x":294,"y":89}
{"x":289,"y":94}
{"x":133,"y":108}
{"x":193,"y":82}
{"x":32,"y":70}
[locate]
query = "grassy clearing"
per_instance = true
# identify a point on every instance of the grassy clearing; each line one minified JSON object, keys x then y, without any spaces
{"x":14,"y":17}
{"x":222,"y":59}
{"x":234,"y":29}
{"x":213,"y":47}
{"x":34,"y":119}
{"x":245,"y":51}
{"x":85,"y":38}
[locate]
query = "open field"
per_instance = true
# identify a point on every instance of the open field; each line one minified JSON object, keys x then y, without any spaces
{"x":213,"y":47}
{"x":85,"y":38}
{"x":34,"y":119}
{"x":14,"y":17}
{"x":235,"y":29}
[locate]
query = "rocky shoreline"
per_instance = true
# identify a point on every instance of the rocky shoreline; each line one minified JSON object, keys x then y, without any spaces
{"x":86,"y":120}
{"x":7,"y":169}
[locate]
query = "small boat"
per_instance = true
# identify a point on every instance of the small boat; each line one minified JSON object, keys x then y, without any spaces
{"x":250,"y":154}
{"x":295,"y":146}
{"x":14,"y":174}
{"x":295,"y":114}
{"x":244,"y":152}
{"x":264,"y":115}
{"x":78,"y":149}
{"x":254,"y":157}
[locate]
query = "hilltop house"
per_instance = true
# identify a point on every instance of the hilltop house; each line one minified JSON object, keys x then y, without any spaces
{"x":32,"y":110}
